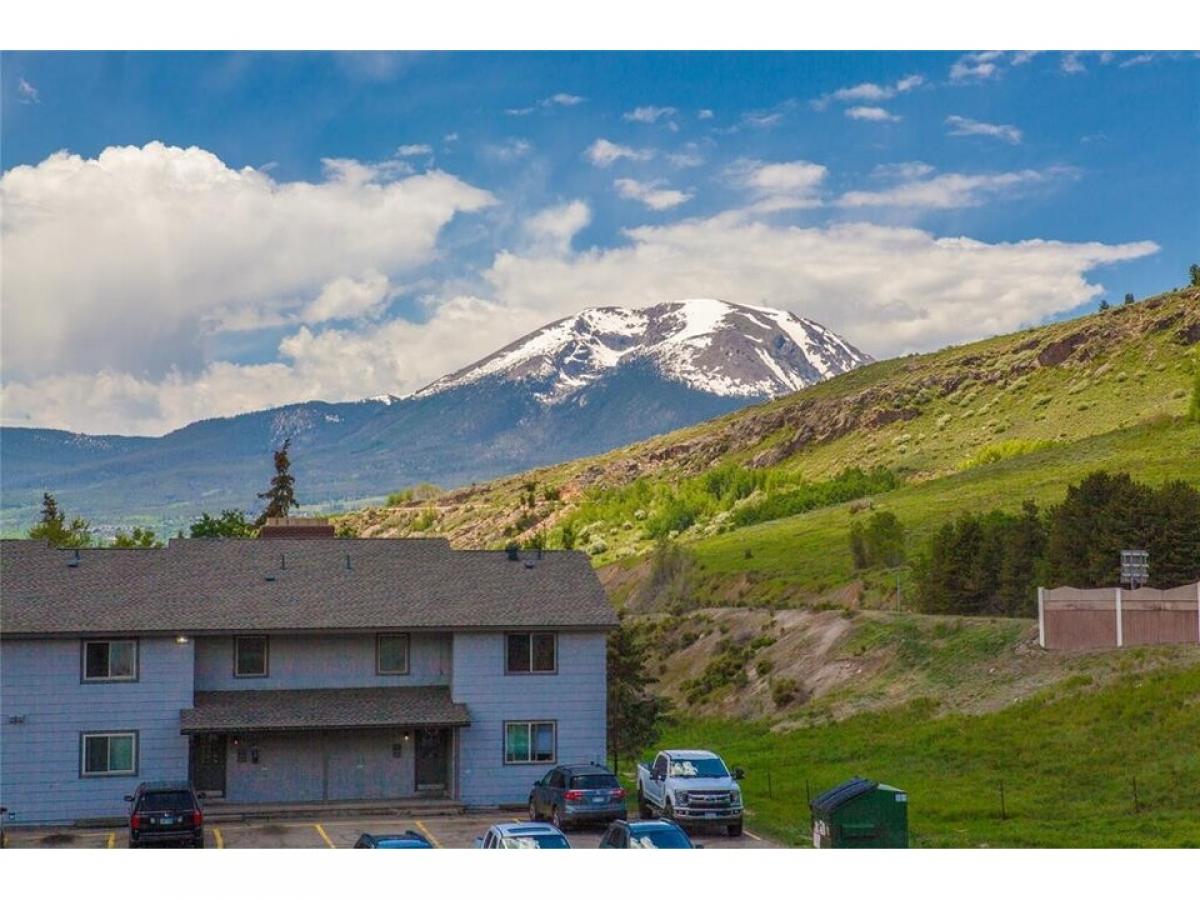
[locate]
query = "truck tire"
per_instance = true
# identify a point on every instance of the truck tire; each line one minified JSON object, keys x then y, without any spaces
{"x":557,"y":820}
{"x":644,"y":810}
{"x":735,"y":830}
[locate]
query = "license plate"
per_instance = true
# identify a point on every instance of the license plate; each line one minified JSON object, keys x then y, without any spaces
{"x":710,"y":815}
{"x":167,"y":820}
{"x":598,"y":799}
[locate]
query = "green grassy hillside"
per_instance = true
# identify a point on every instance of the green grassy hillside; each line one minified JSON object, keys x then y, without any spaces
{"x":985,"y":425}
{"x":1066,"y":759}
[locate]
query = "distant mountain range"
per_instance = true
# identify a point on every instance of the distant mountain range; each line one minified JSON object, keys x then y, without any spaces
{"x":582,"y":385}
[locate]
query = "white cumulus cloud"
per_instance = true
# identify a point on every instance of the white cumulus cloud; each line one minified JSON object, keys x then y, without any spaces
{"x":603,"y":153}
{"x":779,"y":186}
{"x":871,"y":114}
{"x":960,"y":126}
{"x":649,"y":114}
{"x":170,"y":238}
{"x":651,"y":194}
{"x":953,"y":190}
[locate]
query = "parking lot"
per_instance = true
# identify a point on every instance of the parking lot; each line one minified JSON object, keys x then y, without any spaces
{"x":446,"y":831}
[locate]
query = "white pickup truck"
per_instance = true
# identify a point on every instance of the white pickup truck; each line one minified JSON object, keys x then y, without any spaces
{"x":690,"y":787}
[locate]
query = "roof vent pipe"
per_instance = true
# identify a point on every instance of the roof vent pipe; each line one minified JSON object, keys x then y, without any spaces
{"x":513,"y":552}
{"x":348,"y":566}
{"x":282,"y":561}
{"x":74,"y":561}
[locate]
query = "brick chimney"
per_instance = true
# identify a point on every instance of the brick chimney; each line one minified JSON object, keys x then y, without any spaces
{"x":294,"y":527}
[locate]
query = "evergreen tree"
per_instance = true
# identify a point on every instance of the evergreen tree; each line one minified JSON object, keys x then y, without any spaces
{"x":53,"y":526}
{"x":231,"y":523}
{"x":1101,"y":516}
{"x":935,"y":575}
{"x":858,"y":546}
{"x":1129,"y":299}
{"x":885,"y":540}
{"x":139,"y":537}
{"x":1103,"y":305}
{"x":1024,"y":547}
{"x":1174,"y":540}
{"x":1194,"y":274}
{"x":280,"y":496}
{"x":634,"y":714}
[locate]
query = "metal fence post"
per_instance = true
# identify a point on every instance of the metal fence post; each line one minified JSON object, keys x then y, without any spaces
{"x":1042,"y":616}
{"x":1120,"y":628}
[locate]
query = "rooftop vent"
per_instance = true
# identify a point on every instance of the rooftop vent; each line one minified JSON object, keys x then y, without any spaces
{"x":348,"y":566}
{"x":73,"y":562}
{"x":529,"y":563}
{"x":513,"y":552}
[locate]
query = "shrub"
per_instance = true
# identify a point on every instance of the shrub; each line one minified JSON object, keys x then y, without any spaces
{"x":784,"y":691}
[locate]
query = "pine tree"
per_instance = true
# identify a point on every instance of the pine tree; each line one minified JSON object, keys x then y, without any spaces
{"x":885,"y":540}
{"x":858,"y":546}
{"x":1024,"y":548}
{"x":280,"y":496}
{"x":1174,"y":542}
{"x":634,"y":714}
{"x":53,"y":526}
{"x":1129,"y":299}
{"x":1103,"y":305}
{"x":1194,"y":274}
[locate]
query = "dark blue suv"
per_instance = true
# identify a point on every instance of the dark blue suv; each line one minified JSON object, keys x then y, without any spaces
{"x":571,"y":795}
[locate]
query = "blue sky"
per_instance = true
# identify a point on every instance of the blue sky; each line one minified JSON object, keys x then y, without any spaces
{"x":353,"y":224}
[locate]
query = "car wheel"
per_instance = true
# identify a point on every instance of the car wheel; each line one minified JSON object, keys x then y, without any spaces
{"x":198,"y":843}
{"x":644,"y":811}
{"x":735,"y":830}
{"x":556,"y":819}
{"x":533,"y":814}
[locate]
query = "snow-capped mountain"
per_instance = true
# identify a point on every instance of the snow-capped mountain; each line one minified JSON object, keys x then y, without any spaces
{"x":720,"y":348}
{"x":583,"y":385}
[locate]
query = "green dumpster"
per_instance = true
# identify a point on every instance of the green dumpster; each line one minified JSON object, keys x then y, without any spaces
{"x":860,"y":813}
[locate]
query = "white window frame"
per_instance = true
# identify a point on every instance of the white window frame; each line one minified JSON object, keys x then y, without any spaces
{"x":266,"y":656}
{"x":531,"y":635}
{"x":379,"y":639}
{"x":108,"y":735}
{"x":530,"y":724}
{"x":91,"y":679}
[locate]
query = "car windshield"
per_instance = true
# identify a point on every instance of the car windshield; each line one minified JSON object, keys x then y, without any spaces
{"x":400,"y":843}
{"x":161,"y":801}
{"x":698,"y":768}
{"x":659,"y":839}
{"x":594,"y":782}
{"x":535,"y":842}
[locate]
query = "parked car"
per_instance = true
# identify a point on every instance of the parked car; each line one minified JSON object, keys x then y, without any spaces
{"x":165,"y":812}
{"x":3,"y":836}
{"x":570,"y":795}
{"x":660,"y":834}
{"x":519,"y":836}
{"x":408,"y":840}
{"x":691,"y":787}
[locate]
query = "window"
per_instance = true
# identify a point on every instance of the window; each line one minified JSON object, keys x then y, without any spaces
{"x":109,"y":753}
{"x":250,"y":657}
{"x":531,"y":652}
{"x":110,"y":660}
{"x":529,"y":742}
{"x":391,"y":654}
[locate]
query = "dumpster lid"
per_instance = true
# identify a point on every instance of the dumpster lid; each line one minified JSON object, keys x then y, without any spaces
{"x":845,"y":792}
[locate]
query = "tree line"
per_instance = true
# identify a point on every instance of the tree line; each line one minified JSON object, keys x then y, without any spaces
{"x":280,"y":495}
{"x":991,"y":563}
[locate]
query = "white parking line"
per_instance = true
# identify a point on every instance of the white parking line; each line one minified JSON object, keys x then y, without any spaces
{"x":750,"y":834}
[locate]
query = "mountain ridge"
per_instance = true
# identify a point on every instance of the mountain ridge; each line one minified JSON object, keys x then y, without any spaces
{"x":475,"y":429}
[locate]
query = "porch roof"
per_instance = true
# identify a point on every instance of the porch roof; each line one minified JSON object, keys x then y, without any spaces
{"x":322,"y":709}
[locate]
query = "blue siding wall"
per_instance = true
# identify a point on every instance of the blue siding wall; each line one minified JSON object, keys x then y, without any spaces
{"x":339,"y":765}
{"x":322,"y":661}
{"x":39,"y":759}
{"x":574,"y":697}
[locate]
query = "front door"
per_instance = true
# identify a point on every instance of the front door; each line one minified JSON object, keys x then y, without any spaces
{"x":207,"y":763}
{"x":432,"y":755}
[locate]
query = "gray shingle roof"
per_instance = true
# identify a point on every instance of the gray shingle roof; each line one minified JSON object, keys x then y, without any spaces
{"x":322,"y":709}
{"x":213,"y":585}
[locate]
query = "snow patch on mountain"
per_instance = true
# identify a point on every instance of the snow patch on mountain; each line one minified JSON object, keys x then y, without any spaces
{"x":721,"y":348}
